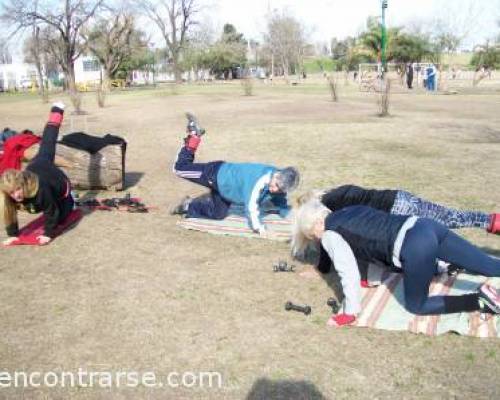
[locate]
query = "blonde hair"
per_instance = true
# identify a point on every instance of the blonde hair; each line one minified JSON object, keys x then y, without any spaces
{"x":304,"y":219}
{"x":10,"y":181}
{"x":310,"y":195}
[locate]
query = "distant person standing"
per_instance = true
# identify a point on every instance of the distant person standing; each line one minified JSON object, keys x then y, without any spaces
{"x":431,"y":77}
{"x":409,"y":75}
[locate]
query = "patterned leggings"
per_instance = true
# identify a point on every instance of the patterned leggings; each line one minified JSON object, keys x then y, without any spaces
{"x":408,"y":204}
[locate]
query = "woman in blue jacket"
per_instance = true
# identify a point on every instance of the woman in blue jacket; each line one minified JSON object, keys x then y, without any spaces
{"x":247,"y":184}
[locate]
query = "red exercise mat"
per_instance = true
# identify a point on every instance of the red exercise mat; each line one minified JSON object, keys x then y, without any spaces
{"x":28,"y":234}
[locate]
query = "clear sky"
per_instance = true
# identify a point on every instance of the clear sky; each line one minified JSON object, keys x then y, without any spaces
{"x":340,"y":18}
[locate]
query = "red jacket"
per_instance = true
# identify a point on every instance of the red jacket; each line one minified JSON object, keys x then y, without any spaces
{"x":13,"y":150}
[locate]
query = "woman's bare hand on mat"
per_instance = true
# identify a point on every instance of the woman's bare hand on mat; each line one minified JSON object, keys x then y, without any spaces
{"x":43,"y":239}
{"x":9,"y":241}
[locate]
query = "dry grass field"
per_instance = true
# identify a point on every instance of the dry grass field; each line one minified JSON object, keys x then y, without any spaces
{"x":134,"y":292}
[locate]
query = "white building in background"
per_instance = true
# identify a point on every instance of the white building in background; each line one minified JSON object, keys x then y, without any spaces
{"x":17,"y":76}
{"x":142,"y":77}
{"x":88,"y":70}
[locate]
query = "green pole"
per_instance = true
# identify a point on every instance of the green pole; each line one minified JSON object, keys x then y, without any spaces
{"x":384,"y":38}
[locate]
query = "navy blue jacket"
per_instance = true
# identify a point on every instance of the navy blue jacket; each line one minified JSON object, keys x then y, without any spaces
{"x":370,"y":233}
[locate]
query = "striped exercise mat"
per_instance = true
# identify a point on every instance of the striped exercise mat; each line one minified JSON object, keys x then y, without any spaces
{"x":382,"y":308}
{"x":236,"y":224}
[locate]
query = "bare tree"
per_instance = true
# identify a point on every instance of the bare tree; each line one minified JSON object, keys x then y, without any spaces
{"x":332,"y":85}
{"x":454,"y":24}
{"x":33,"y":52}
{"x":285,"y":38}
{"x":174,"y":19}
{"x":200,"y":44}
{"x":37,"y":57}
{"x":36,"y":53}
{"x":5,"y":57}
{"x":65,"y":20}
{"x":111,"y":40}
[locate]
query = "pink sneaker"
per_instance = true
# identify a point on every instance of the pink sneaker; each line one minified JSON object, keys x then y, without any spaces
{"x":495,"y":224}
{"x":489,"y":299}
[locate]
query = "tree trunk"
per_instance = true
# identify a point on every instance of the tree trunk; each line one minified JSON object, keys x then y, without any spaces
{"x":284,"y":64}
{"x":75,"y":96}
{"x":177,"y":70}
{"x":106,"y":79}
{"x":38,"y":66}
{"x":104,"y":87}
{"x":41,"y":86}
{"x":38,"y":61}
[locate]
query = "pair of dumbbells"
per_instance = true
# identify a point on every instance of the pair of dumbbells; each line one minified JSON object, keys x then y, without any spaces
{"x":282,"y":266}
{"x":307,"y":309}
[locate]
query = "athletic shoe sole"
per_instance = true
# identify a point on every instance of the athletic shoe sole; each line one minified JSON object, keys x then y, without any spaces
{"x":489,"y":296}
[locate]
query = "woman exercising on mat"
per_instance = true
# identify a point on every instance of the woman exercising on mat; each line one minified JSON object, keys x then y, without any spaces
{"x":42,"y":187}
{"x":247,"y":184}
{"x":409,"y":243}
{"x":399,"y":202}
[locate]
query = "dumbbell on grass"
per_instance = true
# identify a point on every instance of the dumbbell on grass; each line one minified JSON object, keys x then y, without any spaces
{"x":282,"y":266}
{"x":333,"y":304}
{"x":303,"y":309}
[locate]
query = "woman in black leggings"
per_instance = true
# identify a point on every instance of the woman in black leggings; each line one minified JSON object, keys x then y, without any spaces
{"x":401,"y":202}
{"x":42,"y":187}
{"x":398,"y":202}
{"x":409,"y":243}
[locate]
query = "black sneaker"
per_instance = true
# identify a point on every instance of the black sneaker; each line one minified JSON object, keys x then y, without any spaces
{"x":182,"y":207}
{"x":454,"y":270}
{"x":193,"y":126}
{"x":489,"y":299}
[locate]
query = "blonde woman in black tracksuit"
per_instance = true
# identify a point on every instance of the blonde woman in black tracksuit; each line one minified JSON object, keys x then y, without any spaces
{"x":42,"y":187}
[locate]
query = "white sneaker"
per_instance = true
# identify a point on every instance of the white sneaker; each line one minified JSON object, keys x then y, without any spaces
{"x":59,"y":104}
